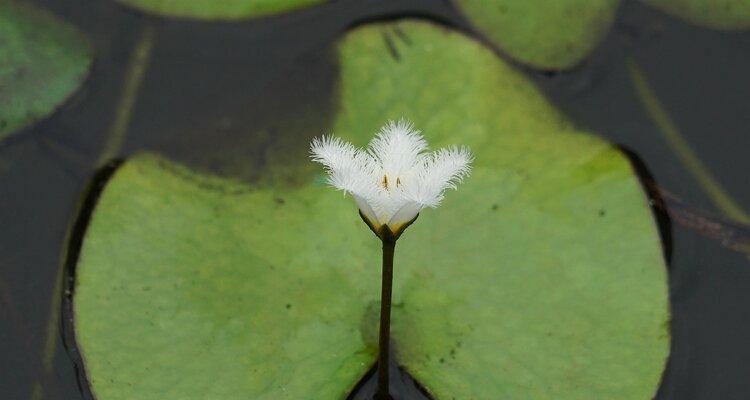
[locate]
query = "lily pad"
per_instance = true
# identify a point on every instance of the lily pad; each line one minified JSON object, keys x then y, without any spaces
{"x":218,"y":10}
{"x":42,"y":62}
{"x":542,"y":277}
{"x":540,"y":33}
{"x":717,"y":14}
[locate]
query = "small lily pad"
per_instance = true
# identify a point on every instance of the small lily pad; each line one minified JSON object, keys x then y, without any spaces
{"x":218,"y":10}
{"x":543,"y":34}
{"x":542,"y":277}
{"x":717,"y":14}
{"x":42,"y":62}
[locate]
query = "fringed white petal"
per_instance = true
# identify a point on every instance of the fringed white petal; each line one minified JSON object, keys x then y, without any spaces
{"x":398,"y":148}
{"x":443,"y":169}
{"x":395,"y":178}
{"x":349,"y":169}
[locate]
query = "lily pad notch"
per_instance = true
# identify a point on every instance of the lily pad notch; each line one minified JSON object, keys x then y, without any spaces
{"x":89,"y":199}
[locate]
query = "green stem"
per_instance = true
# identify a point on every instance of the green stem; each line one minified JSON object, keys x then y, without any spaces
{"x":671,"y":133}
{"x":389,"y":246}
{"x":53,"y":321}
{"x":140,"y":58}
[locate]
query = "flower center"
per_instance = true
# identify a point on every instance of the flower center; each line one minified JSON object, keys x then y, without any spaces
{"x":384,"y":182}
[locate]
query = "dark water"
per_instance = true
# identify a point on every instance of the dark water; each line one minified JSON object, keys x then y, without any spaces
{"x":222,"y":78}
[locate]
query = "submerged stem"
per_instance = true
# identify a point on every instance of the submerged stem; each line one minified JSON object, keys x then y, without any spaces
{"x":668,"y":128}
{"x":389,"y":247}
{"x":138,"y":63}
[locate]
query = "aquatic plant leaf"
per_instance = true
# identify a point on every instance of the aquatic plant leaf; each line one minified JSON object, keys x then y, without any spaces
{"x":218,"y":10}
{"x":717,"y":14}
{"x":543,"y":34}
{"x":193,"y":288}
{"x":42,"y":62}
{"x":542,"y":277}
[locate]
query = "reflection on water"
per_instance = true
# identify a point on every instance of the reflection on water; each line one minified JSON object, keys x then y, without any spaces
{"x":207,"y":85}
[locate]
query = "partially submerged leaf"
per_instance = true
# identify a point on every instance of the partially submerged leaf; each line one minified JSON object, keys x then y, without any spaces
{"x":218,"y":10}
{"x":42,"y":61}
{"x":717,"y":14}
{"x":541,"y":33}
{"x":542,"y":277}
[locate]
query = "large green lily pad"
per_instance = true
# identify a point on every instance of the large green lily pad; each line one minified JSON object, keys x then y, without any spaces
{"x":42,"y":61}
{"x":541,"y":33}
{"x":218,"y":10}
{"x":717,"y":14}
{"x":542,"y":277}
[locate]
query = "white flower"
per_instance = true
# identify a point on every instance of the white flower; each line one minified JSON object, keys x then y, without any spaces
{"x":394,"y":178}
